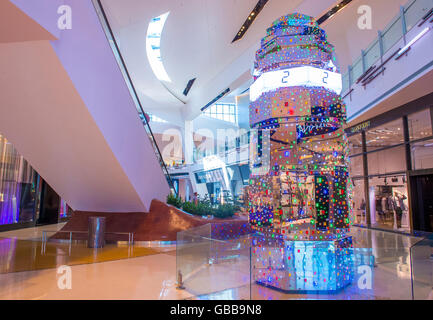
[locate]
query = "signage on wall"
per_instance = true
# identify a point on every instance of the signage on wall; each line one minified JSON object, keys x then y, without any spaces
{"x":295,"y":77}
{"x":360,"y":127}
{"x":212,"y":162}
{"x":309,"y":129}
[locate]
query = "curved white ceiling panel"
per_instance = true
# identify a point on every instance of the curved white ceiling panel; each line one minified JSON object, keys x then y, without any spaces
{"x":196,"y":43}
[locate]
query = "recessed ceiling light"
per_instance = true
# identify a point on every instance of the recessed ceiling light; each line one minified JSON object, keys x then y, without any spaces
{"x":250,"y":19}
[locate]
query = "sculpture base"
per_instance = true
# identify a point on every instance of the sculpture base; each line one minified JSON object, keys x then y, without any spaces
{"x":323,"y":266}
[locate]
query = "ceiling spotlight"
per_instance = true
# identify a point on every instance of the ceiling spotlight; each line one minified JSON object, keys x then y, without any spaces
{"x":250,"y":19}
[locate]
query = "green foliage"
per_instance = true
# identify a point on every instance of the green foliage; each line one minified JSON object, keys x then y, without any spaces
{"x":204,"y":207}
{"x":189,"y":207}
{"x":225,"y":210}
{"x":174,"y":201}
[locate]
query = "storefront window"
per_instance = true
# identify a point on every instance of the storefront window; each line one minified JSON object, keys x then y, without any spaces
{"x":355,"y":144}
{"x":355,"y":166}
{"x":422,"y":155}
{"x":64,"y":210}
{"x":387,"y":194}
{"x":385,"y":135}
{"x":387,"y":161}
{"x":359,"y":201}
{"x":18,"y":183}
{"x":389,"y":202}
{"x":420,"y":125}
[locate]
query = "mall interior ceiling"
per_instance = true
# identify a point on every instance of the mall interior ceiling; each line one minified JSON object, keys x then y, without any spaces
{"x":276,"y":132}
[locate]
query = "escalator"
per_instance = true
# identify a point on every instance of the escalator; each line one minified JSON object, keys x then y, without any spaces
{"x":120,"y":61}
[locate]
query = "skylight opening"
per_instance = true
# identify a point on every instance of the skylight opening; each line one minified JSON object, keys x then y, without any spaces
{"x":154,"y":118}
{"x":153,"y":46}
{"x":222,"y":111}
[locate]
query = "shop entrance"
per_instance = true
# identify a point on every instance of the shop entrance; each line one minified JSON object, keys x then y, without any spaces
{"x":422,"y":202}
{"x":50,"y":205}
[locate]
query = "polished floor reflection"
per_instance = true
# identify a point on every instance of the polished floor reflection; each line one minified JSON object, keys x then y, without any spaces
{"x":143,"y":271}
{"x":25,"y":250}
{"x":26,"y":255}
{"x":149,"y":277}
{"x":391,"y":273}
{"x":153,"y":276}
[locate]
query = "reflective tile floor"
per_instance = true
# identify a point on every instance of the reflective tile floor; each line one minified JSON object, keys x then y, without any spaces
{"x":26,"y":255}
{"x":149,"y":277}
{"x":153,"y":276}
{"x":24,"y":250}
{"x":391,"y":273}
{"x":31,"y":233}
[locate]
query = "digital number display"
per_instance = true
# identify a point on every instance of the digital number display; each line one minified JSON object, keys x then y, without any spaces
{"x":294,"y":77}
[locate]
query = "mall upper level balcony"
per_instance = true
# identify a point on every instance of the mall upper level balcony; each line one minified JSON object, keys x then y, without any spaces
{"x":395,"y":68}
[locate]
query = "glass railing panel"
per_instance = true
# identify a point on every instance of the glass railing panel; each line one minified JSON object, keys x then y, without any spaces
{"x":392,"y":34}
{"x":357,"y":69}
{"x":229,"y":267}
{"x":372,"y":54}
{"x":415,"y":11}
{"x":346,"y":82}
{"x":364,"y":264}
{"x":422,"y":269}
{"x":213,"y":261}
{"x":375,"y":266}
{"x":392,"y":264}
{"x":409,"y":4}
{"x":192,"y":254}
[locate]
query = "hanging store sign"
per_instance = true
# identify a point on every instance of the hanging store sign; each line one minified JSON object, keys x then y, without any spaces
{"x":212,"y":162}
{"x":360,"y":127}
{"x":309,"y":129}
{"x":295,"y":77}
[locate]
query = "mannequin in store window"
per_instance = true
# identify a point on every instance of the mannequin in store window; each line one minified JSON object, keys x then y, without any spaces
{"x":392,"y":203}
{"x":390,"y":207}
{"x":379,"y":208}
{"x":362,"y":207}
{"x":399,"y":206}
{"x":385,"y":208}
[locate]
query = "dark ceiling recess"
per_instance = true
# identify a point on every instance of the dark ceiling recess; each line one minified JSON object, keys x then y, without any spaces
{"x":188,"y":86}
{"x":251,"y":17}
{"x":245,"y":91}
{"x":333,"y":11}
{"x":222,"y":94}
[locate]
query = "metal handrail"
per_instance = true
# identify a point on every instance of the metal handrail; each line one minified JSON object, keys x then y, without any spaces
{"x":45,"y":237}
{"x":122,"y":65}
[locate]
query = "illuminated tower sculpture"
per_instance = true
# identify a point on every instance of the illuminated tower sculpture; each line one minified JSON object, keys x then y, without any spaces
{"x":298,"y":185}
{"x":300,"y":170}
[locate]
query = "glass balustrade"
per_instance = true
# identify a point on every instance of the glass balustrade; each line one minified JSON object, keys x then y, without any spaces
{"x":254,"y":266}
{"x":411,"y":15}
